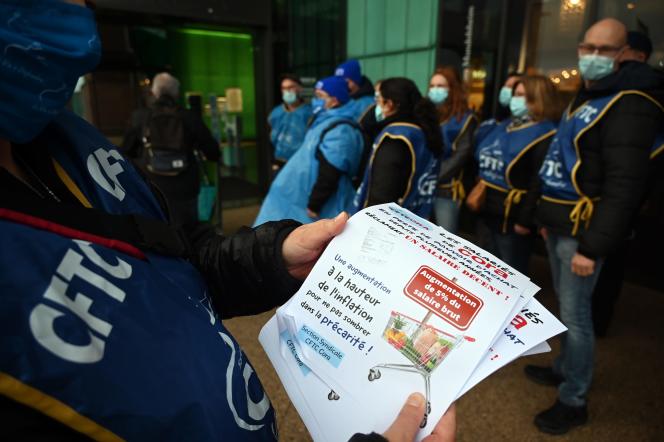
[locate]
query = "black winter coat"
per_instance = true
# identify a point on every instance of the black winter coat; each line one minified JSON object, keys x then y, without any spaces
{"x":614,"y":159}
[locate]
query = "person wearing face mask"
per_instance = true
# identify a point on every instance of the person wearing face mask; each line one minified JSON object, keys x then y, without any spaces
{"x":457,"y":125}
{"x":404,"y":161}
{"x":594,"y":177}
{"x":111,"y":317}
{"x":610,"y":280}
{"x":509,"y":160}
{"x":359,"y":86}
{"x":503,"y":110}
{"x":318,"y":179}
{"x":288,"y":121}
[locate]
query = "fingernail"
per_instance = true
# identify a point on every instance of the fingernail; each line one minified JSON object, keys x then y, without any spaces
{"x":415,"y":400}
{"x":338,"y":217}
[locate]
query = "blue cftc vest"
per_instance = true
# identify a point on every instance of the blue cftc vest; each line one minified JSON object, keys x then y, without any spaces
{"x":558,"y":172}
{"x":498,"y":152}
{"x":451,"y":130}
{"x":116,"y":344}
{"x":419,"y":195}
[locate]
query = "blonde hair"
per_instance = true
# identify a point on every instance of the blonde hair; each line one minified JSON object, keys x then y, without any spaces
{"x":544,"y":101}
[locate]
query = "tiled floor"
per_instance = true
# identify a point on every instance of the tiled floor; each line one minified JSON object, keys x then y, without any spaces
{"x":626,"y":401}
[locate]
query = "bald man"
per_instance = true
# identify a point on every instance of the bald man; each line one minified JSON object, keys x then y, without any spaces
{"x":593,"y":180}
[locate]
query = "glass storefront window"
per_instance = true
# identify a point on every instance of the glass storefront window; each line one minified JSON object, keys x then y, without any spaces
{"x":645,"y":16}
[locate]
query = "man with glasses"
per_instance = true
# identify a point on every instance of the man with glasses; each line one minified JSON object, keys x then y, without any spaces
{"x":593,"y":180}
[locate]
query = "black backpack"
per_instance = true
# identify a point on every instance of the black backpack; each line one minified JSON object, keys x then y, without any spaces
{"x":164,"y":150}
{"x":366,"y":147}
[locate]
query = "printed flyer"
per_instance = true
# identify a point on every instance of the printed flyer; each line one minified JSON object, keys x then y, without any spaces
{"x":394,"y":305}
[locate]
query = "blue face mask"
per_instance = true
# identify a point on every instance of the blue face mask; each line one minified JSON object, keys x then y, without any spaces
{"x":46,"y":46}
{"x":518,"y":106}
{"x":289,"y":97}
{"x":318,"y":104}
{"x":505,"y":96}
{"x":378,"y":112}
{"x":595,"y":66}
{"x":438,"y":95}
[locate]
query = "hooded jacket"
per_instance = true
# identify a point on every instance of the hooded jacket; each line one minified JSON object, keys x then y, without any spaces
{"x":614,"y":157}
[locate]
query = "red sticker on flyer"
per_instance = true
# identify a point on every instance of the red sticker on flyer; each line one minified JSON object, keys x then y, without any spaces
{"x":443,"y":297}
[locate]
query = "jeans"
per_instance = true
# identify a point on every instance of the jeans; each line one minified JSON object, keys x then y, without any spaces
{"x":511,"y":247}
{"x":447,"y":213}
{"x":575,"y":362}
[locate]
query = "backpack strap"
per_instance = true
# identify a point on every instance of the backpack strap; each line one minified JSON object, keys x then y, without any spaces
{"x":131,"y":234}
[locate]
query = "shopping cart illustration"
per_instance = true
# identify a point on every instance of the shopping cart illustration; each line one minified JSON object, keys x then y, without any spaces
{"x":423,"y":345}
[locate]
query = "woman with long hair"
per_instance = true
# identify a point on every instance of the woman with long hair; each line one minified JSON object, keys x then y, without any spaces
{"x":457,"y":124}
{"x":509,"y":160}
{"x":404,"y":160}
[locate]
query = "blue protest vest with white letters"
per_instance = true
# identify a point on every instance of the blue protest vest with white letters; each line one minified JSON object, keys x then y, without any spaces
{"x":562,"y":161}
{"x":419,"y":194}
{"x":504,"y":146}
{"x":288,"y":129}
{"x":113,"y":344}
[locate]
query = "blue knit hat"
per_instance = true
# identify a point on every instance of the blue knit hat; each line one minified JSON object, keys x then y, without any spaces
{"x":335,"y":87}
{"x":350,"y":69}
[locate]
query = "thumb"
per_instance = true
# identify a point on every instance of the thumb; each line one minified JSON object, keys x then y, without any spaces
{"x":407,"y":423}
{"x":323,"y":231}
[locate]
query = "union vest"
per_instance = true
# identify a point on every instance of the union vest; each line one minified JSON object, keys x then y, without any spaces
{"x":451,"y":130}
{"x":114,"y":342}
{"x":420,"y":192}
{"x":562,"y":161}
{"x":500,"y":151}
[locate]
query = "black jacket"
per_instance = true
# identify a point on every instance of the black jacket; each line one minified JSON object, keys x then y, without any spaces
{"x":366,"y":89}
{"x":523,"y":175}
{"x":453,"y":166}
{"x":197,"y":136}
{"x":245,"y":272}
{"x":614,"y":159}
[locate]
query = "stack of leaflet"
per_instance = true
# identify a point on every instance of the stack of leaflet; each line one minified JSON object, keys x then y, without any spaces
{"x":397,"y":305}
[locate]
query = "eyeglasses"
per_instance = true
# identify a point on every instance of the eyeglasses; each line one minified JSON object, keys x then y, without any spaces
{"x":587,"y":48}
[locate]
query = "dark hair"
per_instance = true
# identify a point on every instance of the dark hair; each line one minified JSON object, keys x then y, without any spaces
{"x":457,"y":103}
{"x":411,"y":105}
{"x":291,"y":77}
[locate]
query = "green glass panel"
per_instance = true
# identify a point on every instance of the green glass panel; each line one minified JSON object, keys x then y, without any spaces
{"x":355,"y":34}
{"x":395,"y":66}
{"x":374,"y":68}
{"x":395,"y":17}
{"x":375,"y":27}
{"x":419,"y":66}
{"x":419,"y":33}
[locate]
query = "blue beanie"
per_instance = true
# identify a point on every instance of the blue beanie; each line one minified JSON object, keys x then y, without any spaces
{"x":335,"y":87}
{"x":350,"y":69}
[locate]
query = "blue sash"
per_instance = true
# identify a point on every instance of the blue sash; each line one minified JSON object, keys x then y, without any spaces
{"x":117,"y":345}
{"x":419,"y":195}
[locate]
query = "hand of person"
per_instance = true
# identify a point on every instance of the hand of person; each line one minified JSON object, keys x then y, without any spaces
{"x":407,"y":424}
{"x":311,"y":214}
{"x":544,"y":233}
{"x":305,"y":244}
{"x":582,"y":265}
{"x":521,"y":230}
